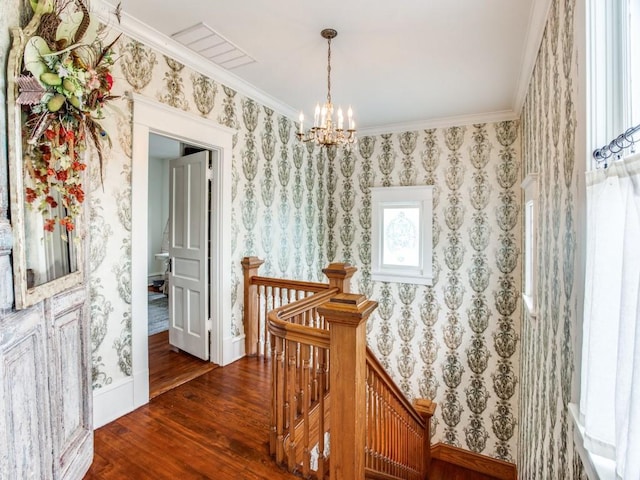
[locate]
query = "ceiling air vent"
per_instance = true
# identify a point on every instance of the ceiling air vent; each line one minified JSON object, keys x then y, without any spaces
{"x":203,"y":40}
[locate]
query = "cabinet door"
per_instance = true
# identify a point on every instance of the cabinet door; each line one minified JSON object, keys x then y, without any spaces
{"x":71,"y":397}
{"x":25,"y":421}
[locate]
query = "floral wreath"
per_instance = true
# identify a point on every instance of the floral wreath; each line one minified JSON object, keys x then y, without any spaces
{"x":64,"y":86}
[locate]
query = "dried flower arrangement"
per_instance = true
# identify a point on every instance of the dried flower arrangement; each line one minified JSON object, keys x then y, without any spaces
{"x":64,"y":86}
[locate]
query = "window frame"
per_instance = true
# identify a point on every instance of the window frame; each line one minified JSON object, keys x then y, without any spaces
{"x":609,"y":67}
{"x":383,"y":198}
{"x":609,"y":112}
{"x":530,"y":254}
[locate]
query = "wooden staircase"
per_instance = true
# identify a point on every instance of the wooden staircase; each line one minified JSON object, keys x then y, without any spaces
{"x":335,"y":412}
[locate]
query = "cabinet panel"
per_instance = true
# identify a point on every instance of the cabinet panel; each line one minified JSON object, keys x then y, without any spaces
{"x":25,"y":426}
{"x":71,"y":398}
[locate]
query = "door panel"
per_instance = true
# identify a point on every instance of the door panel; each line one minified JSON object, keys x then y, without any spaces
{"x":25,"y":422}
{"x":71,"y":372}
{"x":188,"y":279}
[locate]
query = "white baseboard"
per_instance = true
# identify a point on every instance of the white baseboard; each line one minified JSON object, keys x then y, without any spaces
{"x":234,"y":349}
{"x":114,"y":401}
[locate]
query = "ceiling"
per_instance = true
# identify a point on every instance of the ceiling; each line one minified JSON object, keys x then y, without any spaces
{"x":403,"y":64}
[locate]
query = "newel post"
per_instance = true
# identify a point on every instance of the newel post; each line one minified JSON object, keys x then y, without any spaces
{"x":250,"y":266}
{"x":339,"y":275}
{"x":426,"y":408}
{"x":347,"y":314}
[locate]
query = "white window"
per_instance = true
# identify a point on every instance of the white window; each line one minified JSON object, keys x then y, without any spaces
{"x":608,"y":417}
{"x":633,"y":57}
{"x":401,"y":227}
{"x":530,"y":187}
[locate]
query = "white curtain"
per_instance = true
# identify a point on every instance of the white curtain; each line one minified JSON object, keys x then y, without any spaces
{"x":610,"y":396}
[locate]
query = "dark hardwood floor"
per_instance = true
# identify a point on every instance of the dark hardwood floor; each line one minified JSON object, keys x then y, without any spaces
{"x":212,"y":427}
{"x":169,"y":368}
{"x":446,"y":471}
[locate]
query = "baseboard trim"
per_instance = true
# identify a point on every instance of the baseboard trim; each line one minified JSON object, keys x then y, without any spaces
{"x":235,"y":350}
{"x":474,"y":461}
{"x":112,"y":402}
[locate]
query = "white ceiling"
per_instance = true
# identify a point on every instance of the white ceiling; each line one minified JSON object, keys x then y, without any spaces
{"x":399,"y":64}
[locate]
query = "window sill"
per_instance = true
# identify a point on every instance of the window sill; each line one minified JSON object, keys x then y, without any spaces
{"x":595,"y":466}
{"x":401,"y":278}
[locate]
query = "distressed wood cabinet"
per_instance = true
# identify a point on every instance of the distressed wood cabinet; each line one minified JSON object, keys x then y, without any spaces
{"x":45,"y":390}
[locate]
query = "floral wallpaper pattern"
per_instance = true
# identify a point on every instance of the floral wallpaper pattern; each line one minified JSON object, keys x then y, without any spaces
{"x":278,"y":197}
{"x":458,"y":341}
{"x":299,"y":208}
{"x":548,"y":342}
{"x":455,"y":341}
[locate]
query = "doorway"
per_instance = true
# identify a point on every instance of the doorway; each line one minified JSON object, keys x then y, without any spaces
{"x":172,"y":361}
{"x":150,"y":116}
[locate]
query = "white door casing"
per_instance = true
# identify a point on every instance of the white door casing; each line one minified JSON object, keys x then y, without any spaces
{"x":188,"y":272}
{"x":150,"y":116}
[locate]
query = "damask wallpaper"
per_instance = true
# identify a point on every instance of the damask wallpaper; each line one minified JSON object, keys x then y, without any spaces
{"x":278,"y":197}
{"x":502,"y":381}
{"x":550,"y":141}
{"x":457,"y":341}
{"x":300,"y":208}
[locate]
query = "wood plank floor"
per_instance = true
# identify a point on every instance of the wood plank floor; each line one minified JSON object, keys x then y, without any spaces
{"x":169,"y":368}
{"x":441,"y":470}
{"x":213,"y":427}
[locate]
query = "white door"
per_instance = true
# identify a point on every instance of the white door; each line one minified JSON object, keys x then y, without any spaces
{"x":188,"y":235}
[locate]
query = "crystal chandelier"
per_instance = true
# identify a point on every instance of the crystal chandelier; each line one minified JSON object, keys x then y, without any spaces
{"x":325,"y":132}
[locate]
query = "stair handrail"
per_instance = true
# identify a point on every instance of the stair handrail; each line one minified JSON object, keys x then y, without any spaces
{"x":299,"y":384}
{"x":410,"y":456}
{"x":325,"y":318}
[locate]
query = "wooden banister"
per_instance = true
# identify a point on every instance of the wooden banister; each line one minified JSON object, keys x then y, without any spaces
{"x":398,"y":432}
{"x":286,"y":284}
{"x":426,"y":408}
{"x":339,"y":275}
{"x":347,"y":314}
{"x":250,"y":265}
{"x":326,"y":382}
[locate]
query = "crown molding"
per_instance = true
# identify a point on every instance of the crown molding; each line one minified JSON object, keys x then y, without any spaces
{"x":538,"y":16}
{"x":137,"y":30}
{"x":444,"y":122}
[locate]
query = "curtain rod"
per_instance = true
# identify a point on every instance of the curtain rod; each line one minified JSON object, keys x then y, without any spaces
{"x":622,"y":141}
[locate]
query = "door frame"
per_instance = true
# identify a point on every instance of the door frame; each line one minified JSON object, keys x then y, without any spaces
{"x":150,"y":116}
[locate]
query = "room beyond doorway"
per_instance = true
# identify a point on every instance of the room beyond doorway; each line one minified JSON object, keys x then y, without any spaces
{"x":169,"y":366}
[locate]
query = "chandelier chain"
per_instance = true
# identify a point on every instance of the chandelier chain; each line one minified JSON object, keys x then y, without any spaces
{"x":329,"y":72}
